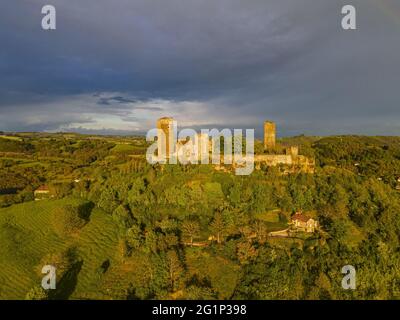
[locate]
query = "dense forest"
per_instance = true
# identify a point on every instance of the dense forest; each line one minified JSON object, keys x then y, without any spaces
{"x":191,"y":232}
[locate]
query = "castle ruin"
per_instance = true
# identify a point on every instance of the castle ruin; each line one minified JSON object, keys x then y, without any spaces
{"x":291,"y":160}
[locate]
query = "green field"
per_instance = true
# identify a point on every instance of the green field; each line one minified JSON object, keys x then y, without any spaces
{"x":123,"y":148}
{"x":11,"y":138}
{"x":269,"y":216}
{"x":26,"y":235}
{"x":274,"y":220}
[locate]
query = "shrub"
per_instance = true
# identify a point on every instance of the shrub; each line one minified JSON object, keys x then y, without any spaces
{"x":68,"y":220}
{"x":36,"y":293}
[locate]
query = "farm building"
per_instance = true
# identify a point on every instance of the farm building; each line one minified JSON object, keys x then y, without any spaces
{"x":304,"y":223}
{"x":42,"y":192}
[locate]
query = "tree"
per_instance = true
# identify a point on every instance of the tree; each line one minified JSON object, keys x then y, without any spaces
{"x":108,"y":201}
{"x":122,"y":216}
{"x":37,"y":293}
{"x":190,"y":229}
{"x":218,"y":227}
{"x":261,"y":231}
{"x":234,"y":194}
{"x":175,"y":269}
{"x":67,"y":219}
{"x":194,"y":292}
{"x":60,"y":190}
{"x":246,"y":252}
{"x":134,"y":237}
{"x":62,"y":261}
{"x":322,"y":289}
{"x":338,"y":229}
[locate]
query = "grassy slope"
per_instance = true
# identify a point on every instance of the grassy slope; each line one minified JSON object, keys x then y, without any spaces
{"x":222,"y":273}
{"x":26,"y":235}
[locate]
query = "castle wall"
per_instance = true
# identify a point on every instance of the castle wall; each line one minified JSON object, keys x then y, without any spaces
{"x":274,"y":159}
{"x":293,"y":162}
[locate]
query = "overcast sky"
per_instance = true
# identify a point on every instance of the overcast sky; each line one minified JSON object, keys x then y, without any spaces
{"x":116,"y":66}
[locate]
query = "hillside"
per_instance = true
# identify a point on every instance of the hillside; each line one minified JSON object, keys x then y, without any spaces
{"x":117,"y":227}
{"x":27,"y":235}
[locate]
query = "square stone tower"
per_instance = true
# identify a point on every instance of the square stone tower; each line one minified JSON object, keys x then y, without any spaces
{"x":269,"y":134}
{"x":165,"y":142}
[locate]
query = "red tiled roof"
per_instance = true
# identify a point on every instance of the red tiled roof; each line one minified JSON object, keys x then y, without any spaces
{"x":301,"y":217}
{"x":43,"y":188}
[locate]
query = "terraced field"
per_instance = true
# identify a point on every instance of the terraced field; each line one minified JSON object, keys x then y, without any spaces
{"x":27,"y":235}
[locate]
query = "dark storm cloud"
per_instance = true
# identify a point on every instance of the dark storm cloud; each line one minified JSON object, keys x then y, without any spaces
{"x":125,"y":103}
{"x":227,"y":62}
{"x":117,"y":99}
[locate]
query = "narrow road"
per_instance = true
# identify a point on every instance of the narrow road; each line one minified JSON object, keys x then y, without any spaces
{"x":280,"y":233}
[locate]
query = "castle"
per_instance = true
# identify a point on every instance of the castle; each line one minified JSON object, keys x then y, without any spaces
{"x":290,"y":160}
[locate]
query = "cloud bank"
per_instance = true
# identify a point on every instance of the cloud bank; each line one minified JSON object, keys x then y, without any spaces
{"x":116,"y":66}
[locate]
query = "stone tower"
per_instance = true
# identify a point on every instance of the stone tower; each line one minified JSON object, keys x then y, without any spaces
{"x":269,"y":134}
{"x":165,"y":142}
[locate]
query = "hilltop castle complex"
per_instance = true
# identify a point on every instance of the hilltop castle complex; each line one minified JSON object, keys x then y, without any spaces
{"x":200,"y":147}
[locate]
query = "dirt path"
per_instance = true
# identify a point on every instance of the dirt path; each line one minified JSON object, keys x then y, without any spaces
{"x":280,"y":233}
{"x":197,"y":244}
